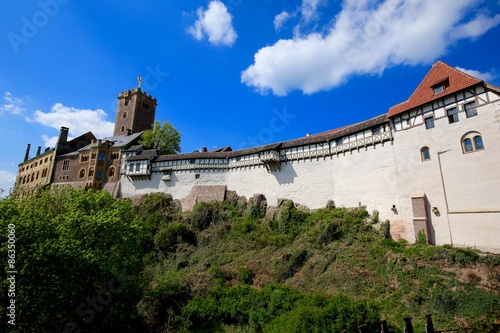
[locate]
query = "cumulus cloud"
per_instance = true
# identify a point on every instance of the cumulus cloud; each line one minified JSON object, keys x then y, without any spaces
{"x":485,"y":76}
{"x":365,"y":37}
{"x":79,"y":121}
{"x":7,"y":180}
{"x":215,"y":23}
{"x":12,"y":105}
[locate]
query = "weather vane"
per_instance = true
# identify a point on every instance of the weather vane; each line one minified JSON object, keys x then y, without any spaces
{"x":139,"y":78}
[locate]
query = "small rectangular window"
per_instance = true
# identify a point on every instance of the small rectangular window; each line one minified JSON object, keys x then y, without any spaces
{"x":138,"y":166}
{"x":452,"y":115}
{"x":338,"y":142}
{"x":429,"y":122}
{"x":376,"y":130}
{"x":438,"y":89}
{"x":65,"y":166}
{"x":470,"y":109}
{"x":131,"y":167}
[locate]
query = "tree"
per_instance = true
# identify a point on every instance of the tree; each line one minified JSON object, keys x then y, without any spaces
{"x":77,"y":255}
{"x":162,"y":137}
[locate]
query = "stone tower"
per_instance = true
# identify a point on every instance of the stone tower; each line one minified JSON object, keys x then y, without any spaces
{"x":135,"y":112}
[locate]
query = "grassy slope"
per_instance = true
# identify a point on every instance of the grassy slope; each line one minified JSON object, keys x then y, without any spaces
{"x":329,"y":252}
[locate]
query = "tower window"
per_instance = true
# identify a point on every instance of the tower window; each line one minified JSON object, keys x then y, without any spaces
{"x":81,"y":174}
{"x":111,"y":172}
{"x":123,"y":129}
{"x":65,"y":166}
{"x":145,"y":106}
{"x":126,"y":102}
{"x":124,"y":114}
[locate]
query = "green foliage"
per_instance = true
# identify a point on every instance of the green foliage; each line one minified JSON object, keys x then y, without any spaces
{"x":153,"y":211}
{"x":205,"y":214}
{"x":169,"y":236}
{"x":72,"y":247}
{"x":421,"y":238}
{"x":162,"y":137}
{"x":246,"y":275}
{"x":385,"y":229}
{"x":280,"y":309}
{"x":192,"y":271}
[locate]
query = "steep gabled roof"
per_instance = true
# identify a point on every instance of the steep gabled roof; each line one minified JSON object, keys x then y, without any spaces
{"x":440,"y":72}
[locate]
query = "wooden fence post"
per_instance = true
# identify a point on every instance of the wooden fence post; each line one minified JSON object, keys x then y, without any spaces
{"x":408,"y":325}
{"x":383,"y":326}
{"x":429,"y":326}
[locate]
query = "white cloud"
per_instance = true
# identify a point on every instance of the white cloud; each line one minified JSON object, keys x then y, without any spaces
{"x":476,"y":27}
{"x":12,"y":104}
{"x":280,"y":19}
{"x":485,"y":76}
{"x":365,"y":37}
{"x":79,"y":121}
{"x":216,"y":23}
{"x":7,"y":180}
{"x":309,"y":9}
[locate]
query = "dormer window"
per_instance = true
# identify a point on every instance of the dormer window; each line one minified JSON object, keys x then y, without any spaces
{"x":438,"y":89}
{"x":440,"y":86}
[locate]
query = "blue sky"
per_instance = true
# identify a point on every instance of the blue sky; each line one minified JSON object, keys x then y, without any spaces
{"x":234,"y":72}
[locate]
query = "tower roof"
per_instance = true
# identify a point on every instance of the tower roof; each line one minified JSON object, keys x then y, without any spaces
{"x":440,"y":74}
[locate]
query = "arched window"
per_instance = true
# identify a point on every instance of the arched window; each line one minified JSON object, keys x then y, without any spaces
{"x":123,"y":128}
{"x":81,"y":174}
{"x":124,"y":114}
{"x":472,"y":141}
{"x":111,"y":172}
{"x":91,"y":172}
{"x":425,"y":153}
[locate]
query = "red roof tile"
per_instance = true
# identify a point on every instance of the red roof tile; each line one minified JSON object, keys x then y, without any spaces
{"x":440,"y":72}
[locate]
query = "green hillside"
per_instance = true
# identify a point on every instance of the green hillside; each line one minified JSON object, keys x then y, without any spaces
{"x":86,"y":262}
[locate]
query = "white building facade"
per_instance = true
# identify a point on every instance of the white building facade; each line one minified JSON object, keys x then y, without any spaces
{"x":431,"y":164}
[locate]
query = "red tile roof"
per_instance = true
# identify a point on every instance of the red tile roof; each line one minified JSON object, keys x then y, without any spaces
{"x":440,"y":72}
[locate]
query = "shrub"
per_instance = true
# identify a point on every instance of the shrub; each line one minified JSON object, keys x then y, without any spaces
{"x":173,"y":234}
{"x":246,"y":275}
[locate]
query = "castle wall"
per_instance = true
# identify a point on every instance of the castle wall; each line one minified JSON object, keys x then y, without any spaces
{"x":461,"y":188}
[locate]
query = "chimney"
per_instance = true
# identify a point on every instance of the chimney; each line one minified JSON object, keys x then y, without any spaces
{"x":38,"y":150}
{"x":63,"y":136}
{"x":204,"y":149}
{"x":27,"y":155}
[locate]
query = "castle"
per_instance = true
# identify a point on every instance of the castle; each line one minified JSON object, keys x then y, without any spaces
{"x":429,"y":164}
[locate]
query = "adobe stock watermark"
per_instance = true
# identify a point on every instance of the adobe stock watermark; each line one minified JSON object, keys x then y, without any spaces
{"x":11,"y":273}
{"x":231,"y":4}
{"x":277,"y":124}
{"x":87,"y":310}
{"x":31,"y":26}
